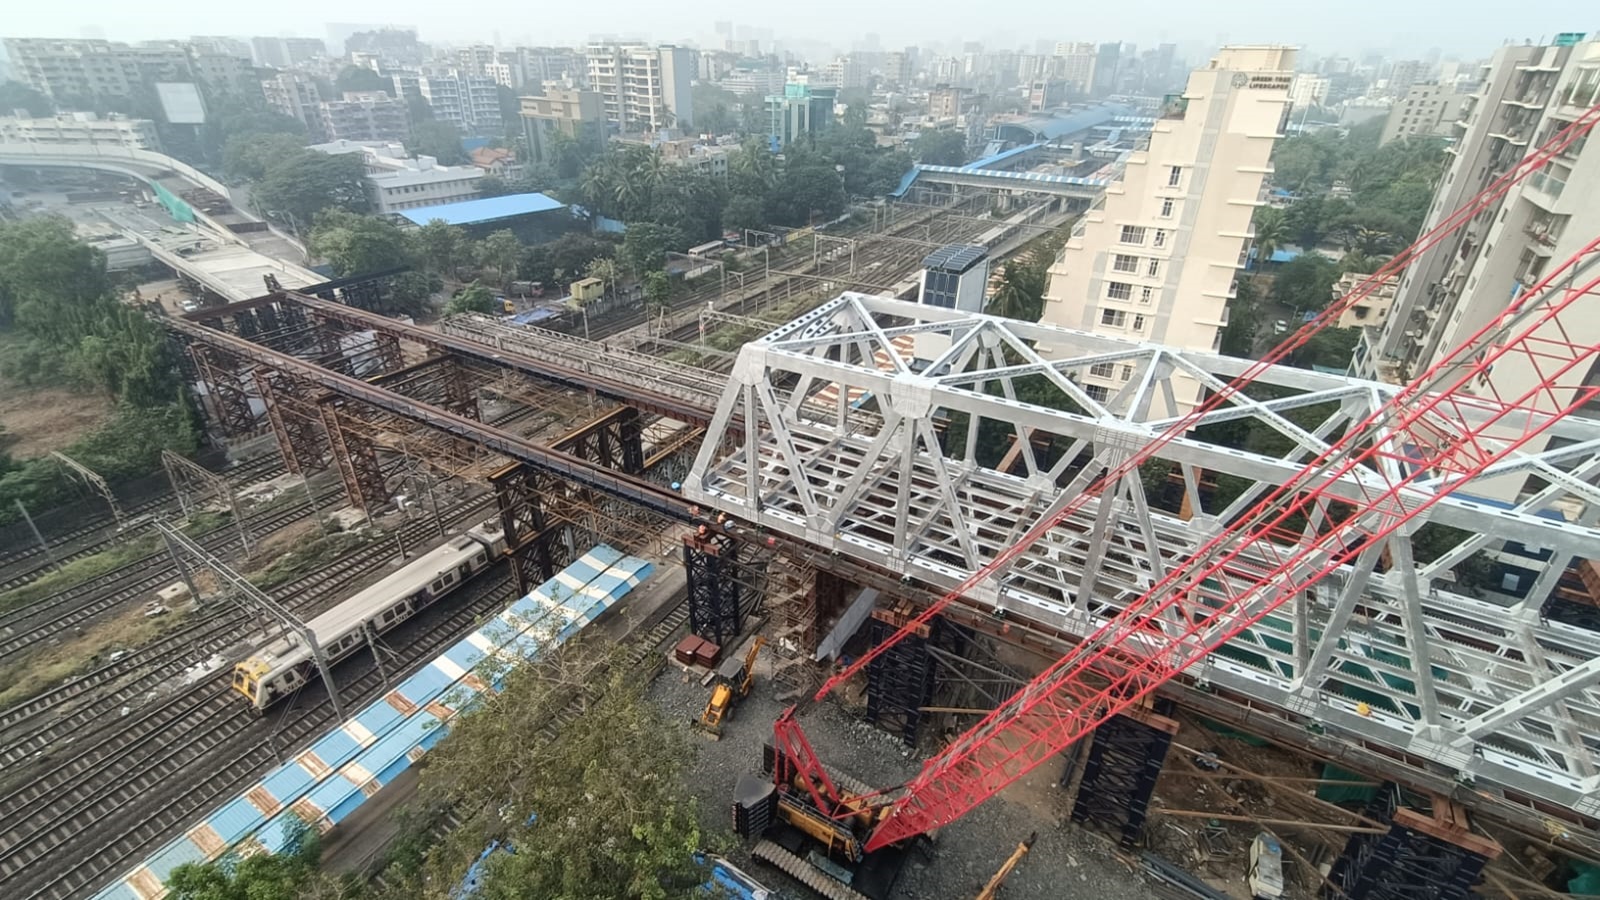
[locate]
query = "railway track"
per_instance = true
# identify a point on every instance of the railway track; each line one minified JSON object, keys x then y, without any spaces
{"x":25,"y":562}
{"x":126,"y":789}
{"x":26,"y":733}
{"x":27,"y":627}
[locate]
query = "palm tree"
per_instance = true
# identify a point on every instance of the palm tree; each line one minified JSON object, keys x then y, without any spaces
{"x":598,"y":185}
{"x":1020,"y":294}
{"x":1270,"y":232}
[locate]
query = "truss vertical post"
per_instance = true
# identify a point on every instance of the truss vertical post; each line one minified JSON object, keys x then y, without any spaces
{"x":44,"y":547}
{"x":1421,"y":857}
{"x":901,"y":682}
{"x":708,"y":561}
{"x":356,"y":459}
{"x":1120,"y":775}
{"x":459,"y":396}
{"x":519,"y":493}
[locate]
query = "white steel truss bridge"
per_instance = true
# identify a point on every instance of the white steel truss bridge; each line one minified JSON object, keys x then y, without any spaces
{"x":924,"y":441}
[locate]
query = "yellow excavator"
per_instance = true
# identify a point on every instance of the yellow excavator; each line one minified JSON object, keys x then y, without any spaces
{"x":733,"y":682}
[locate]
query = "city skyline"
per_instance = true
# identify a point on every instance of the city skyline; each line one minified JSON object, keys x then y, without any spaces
{"x":1415,"y":29}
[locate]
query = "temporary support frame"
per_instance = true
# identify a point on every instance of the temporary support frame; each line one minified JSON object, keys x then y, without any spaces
{"x":900,"y":683}
{"x":614,"y":440}
{"x":1120,"y":775}
{"x":296,"y":420}
{"x":355,"y":457}
{"x":219,"y":375}
{"x":1421,"y":857}
{"x":708,"y":562}
{"x":532,"y":543}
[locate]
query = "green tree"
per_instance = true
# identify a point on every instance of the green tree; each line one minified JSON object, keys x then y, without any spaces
{"x":16,"y":95}
{"x":247,"y":157}
{"x":1329,"y":348}
{"x":1305,"y":283}
{"x":276,"y":876}
{"x":941,"y":147}
{"x":645,"y":246}
{"x":474,"y":298}
{"x":808,"y":189}
{"x":443,"y":246}
{"x":494,"y":186}
{"x":501,"y":252}
{"x":358,"y":244}
{"x":605,"y":269}
{"x":1020,"y":294}
{"x":47,"y":275}
{"x":744,"y":212}
{"x":440,"y":140}
{"x":1239,"y":335}
{"x":603,"y":813}
{"x":657,"y":291}
{"x":298,"y":187}
{"x":360,"y":78}
{"x":1270,"y":233}
{"x":412,"y":292}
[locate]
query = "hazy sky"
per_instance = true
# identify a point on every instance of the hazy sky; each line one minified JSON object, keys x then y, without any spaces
{"x":1469,"y":28}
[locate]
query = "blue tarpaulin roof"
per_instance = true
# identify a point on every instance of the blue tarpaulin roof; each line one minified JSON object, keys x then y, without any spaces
{"x":488,"y":209}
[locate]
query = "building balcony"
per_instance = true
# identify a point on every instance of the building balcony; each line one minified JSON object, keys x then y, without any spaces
{"x":1544,"y":190}
{"x":1514,"y":137}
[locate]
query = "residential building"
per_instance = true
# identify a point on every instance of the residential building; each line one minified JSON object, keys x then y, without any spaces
{"x":1156,"y":260}
{"x":540,"y":65}
{"x":1046,"y":93}
{"x":394,"y":47}
{"x":1372,"y":310}
{"x":576,"y":114}
{"x":80,"y":129}
{"x":706,"y":159}
{"x":1403,"y":74}
{"x":365,"y":116}
{"x":476,"y":59}
{"x":1528,"y":94}
{"x":800,"y":109}
{"x":1107,"y":69}
{"x":296,"y":95}
{"x":761,"y":82}
{"x":1308,"y":90}
{"x":469,"y":102}
{"x":846,"y":72}
{"x":1428,"y":109}
{"x":944,"y":102}
{"x":1075,"y":63}
{"x":284,"y":53}
{"x":643,"y":88}
{"x":497,"y":161}
{"x":222,"y":73}
{"x":400,"y":182}
{"x":1525,"y":94}
{"x":83,"y":70}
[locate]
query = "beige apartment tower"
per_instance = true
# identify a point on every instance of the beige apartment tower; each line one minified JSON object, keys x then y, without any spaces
{"x":1156,"y":260}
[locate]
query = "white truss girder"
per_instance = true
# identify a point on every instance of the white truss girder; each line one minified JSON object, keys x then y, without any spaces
{"x":861,"y":427}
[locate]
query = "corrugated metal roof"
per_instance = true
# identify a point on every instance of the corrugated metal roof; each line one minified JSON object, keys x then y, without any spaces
{"x":956,"y":258}
{"x":487,"y":209}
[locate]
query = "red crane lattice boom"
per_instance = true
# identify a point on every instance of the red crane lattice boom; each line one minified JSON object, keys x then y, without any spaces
{"x":1434,"y":425}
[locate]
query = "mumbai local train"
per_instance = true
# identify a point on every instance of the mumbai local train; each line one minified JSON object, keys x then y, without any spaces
{"x":282,"y":665}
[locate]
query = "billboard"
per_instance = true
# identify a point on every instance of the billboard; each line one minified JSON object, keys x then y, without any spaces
{"x":180,"y":103}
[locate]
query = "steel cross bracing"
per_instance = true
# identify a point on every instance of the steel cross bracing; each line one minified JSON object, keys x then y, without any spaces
{"x":842,"y":446}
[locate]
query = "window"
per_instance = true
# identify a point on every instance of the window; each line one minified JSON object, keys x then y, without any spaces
{"x":1116,"y":318}
{"x":1145,"y":294}
{"x":1166,"y":208}
{"x":1132,"y":234}
{"x":1154,"y":269}
{"x":1124,"y":263}
{"x":1119,"y":290}
{"x":1161,"y":238}
{"x":1127,"y":372}
{"x":1174,"y":176}
{"x":1102,"y":370}
{"x":1138,"y":323}
{"x":1097,"y":392}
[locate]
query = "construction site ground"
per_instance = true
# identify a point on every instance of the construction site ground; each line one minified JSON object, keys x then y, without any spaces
{"x":1066,"y":861}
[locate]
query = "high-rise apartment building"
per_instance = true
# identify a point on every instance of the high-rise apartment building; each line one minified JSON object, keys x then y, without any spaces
{"x":1074,"y":64}
{"x":286,"y":52}
{"x":469,"y":102}
{"x":1403,"y":74}
{"x":643,"y":88}
{"x":1428,"y":109}
{"x":295,"y":94}
{"x":1156,"y":261}
{"x":83,"y":70}
{"x":1525,"y":95}
{"x":1308,"y":90}
{"x":365,"y":116}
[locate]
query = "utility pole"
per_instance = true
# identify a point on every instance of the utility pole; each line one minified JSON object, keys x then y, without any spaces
{"x":94,"y":481}
{"x":185,"y":474}
{"x":180,"y":545}
{"x":48,"y":556}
